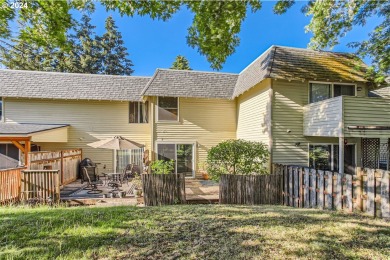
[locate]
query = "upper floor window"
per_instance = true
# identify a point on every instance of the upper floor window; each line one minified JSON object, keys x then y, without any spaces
{"x":138,"y":112}
{"x":168,"y":109}
{"x":319,"y":92}
{"x":322,"y":91}
{"x":1,"y":109}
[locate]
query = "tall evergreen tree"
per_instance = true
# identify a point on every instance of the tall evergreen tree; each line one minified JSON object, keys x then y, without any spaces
{"x":181,"y":63}
{"x":115,"y":61}
{"x":86,"y":55}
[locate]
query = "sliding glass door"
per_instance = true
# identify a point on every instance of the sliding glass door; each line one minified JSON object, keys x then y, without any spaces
{"x":183,"y":154}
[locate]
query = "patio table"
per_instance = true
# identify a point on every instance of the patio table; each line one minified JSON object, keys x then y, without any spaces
{"x":112,"y":181}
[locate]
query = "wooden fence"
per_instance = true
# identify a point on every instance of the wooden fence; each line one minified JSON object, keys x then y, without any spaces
{"x":40,"y":185}
{"x":163,"y":189}
{"x":250,"y":189}
{"x":10,"y":185}
{"x":67,"y":162}
{"x":367,"y":191}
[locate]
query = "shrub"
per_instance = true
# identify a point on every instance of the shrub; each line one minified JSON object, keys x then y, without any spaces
{"x":237,"y":157}
{"x":162,"y":167}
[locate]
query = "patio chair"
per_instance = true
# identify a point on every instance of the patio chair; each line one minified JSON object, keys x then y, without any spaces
{"x":118,"y":180}
{"x":92,"y":185}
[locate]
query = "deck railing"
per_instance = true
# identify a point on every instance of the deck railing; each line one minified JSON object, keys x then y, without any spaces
{"x":40,"y":185}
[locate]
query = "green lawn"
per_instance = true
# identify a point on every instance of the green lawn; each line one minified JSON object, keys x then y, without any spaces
{"x":189,"y":232}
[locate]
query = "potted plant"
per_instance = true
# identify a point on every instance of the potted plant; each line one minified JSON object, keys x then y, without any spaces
{"x":203,"y":171}
{"x":137,"y":181}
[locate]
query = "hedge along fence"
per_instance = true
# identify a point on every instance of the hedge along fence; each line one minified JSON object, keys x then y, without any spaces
{"x":251,"y":189}
{"x":163,"y":189}
{"x":367,"y":191}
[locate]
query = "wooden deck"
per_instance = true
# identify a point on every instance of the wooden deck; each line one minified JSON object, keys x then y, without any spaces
{"x":197,"y":192}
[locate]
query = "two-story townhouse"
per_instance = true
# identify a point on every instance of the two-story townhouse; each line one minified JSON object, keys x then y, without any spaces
{"x":309,"y":107}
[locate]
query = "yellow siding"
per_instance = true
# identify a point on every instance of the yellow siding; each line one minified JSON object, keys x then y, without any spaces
{"x":89,"y":121}
{"x":287,"y":122}
{"x":204,"y":121}
{"x":254,"y":113}
{"x":59,"y":135}
{"x":359,"y":111}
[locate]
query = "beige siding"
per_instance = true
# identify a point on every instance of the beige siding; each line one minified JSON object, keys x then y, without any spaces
{"x":204,"y":121}
{"x":254,"y":113}
{"x":287,"y":122}
{"x":59,"y":135}
{"x":323,"y":118}
{"x":359,"y":111}
{"x":89,"y":121}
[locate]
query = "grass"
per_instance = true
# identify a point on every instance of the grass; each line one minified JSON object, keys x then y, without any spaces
{"x":189,"y":232}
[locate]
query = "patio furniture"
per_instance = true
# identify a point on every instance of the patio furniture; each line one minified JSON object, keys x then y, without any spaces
{"x":91,"y":170}
{"x":115,"y":180}
{"x":92,"y":185}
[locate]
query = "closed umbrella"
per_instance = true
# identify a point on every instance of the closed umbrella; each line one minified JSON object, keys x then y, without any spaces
{"x":116,"y":143}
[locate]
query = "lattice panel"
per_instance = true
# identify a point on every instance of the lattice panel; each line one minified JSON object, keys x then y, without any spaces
{"x":384,"y":155}
{"x":370,"y":152}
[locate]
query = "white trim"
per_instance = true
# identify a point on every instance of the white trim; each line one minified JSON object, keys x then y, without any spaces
{"x":194,"y":153}
{"x":168,"y":121}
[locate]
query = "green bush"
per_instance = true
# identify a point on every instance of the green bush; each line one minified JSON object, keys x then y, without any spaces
{"x":162,"y":167}
{"x":237,"y":157}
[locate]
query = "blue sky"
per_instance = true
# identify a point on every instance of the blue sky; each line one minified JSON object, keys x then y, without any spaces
{"x":155,"y":44}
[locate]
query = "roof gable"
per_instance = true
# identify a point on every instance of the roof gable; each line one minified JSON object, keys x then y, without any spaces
{"x":280,"y":62}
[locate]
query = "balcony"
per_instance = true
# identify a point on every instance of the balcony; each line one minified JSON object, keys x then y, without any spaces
{"x":348,"y":116}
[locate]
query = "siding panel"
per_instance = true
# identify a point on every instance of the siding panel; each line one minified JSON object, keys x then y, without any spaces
{"x":89,"y":121}
{"x":205,"y":121}
{"x":254,"y":114}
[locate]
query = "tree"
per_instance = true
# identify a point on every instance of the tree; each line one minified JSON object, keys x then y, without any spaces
{"x":216,"y":24}
{"x":237,"y":157}
{"x":181,"y":63}
{"x":86,"y":54}
{"x":115,"y":61}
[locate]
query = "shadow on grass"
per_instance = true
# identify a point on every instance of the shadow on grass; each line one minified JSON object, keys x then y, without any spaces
{"x":191,"y":231}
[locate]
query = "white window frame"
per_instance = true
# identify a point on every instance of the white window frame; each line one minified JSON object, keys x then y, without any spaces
{"x":331,"y":152}
{"x":331,"y":88}
{"x":194,"y":153}
{"x":168,"y":121}
{"x":139,"y":105}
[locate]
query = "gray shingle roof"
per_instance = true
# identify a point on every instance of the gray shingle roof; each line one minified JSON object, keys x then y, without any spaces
{"x":53,"y":85}
{"x":280,"y":62}
{"x":381,"y":92}
{"x":189,"y":83}
{"x":23,"y":129}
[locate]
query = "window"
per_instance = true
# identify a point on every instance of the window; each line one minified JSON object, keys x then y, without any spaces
{"x":138,"y":112}
{"x":326,"y":157}
{"x":319,"y":92}
{"x":320,"y":157}
{"x":182,"y":154}
{"x":1,"y":109}
{"x":344,"y":90}
{"x":322,"y":91}
{"x":168,"y":109}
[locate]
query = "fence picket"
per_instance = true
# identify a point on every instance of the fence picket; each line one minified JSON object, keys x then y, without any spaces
{"x":371,"y":192}
{"x":320,"y":189}
{"x":313,"y":186}
{"x":385,"y":199}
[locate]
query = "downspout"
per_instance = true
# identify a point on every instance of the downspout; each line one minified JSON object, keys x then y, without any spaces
{"x":341,"y":138}
{"x":270,"y":126}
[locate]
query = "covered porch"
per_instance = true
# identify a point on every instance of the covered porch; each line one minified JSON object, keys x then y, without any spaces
{"x":23,"y":137}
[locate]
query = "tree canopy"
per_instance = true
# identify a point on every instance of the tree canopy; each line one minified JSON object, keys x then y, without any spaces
{"x":83,"y":52}
{"x":181,"y":63}
{"x":216,"y":24}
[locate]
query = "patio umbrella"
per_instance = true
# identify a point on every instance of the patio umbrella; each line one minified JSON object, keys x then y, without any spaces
{"x":116,"y":143}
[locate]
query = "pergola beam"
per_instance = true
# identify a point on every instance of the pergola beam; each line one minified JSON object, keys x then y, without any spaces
{"x":15,"y":140}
